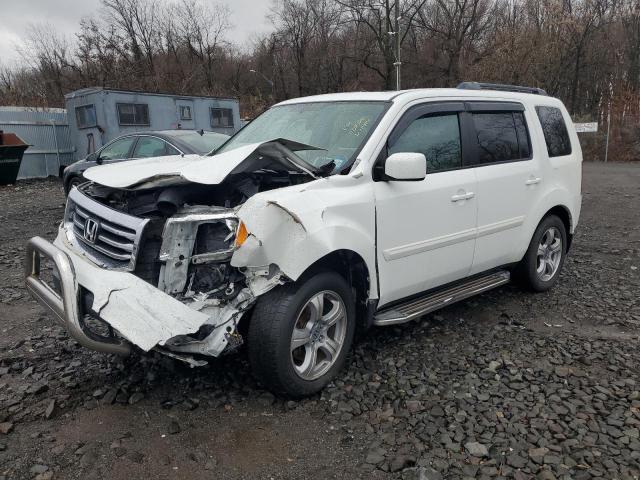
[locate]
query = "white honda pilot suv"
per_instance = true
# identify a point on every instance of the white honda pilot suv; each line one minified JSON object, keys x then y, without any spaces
{"x":324,"y":215}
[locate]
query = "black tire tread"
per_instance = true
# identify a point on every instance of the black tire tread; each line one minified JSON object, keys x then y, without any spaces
{"x":263,"y":335}
{"x":70,"y":181}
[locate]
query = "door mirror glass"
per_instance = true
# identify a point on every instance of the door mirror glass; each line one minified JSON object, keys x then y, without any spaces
{"x":406,"y":166}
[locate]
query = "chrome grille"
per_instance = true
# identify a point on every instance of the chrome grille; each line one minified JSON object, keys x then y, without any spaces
{"x":108,"y":237}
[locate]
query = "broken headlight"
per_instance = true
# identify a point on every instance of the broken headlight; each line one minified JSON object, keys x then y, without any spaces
{"x":197,"y":245}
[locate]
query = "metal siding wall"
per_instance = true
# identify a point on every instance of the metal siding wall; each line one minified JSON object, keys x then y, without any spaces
{"x":35,"y":128}
{"x":79,"y":136}
{"x":74,"y":133}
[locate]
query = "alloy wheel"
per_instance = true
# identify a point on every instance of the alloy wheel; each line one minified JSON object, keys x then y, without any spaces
{"x":549,"y":254}
{"x":318,"y":335}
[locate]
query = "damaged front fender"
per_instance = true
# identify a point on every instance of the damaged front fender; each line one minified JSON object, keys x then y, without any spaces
{"x":292,"y":228}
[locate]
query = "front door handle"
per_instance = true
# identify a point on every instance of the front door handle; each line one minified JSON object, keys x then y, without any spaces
{"x":462,"y":196}
{"x":533,"y":181}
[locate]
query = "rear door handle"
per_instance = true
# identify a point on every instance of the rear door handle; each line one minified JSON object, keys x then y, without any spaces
{"x":533,"y":181}
{"x":462,"y":196}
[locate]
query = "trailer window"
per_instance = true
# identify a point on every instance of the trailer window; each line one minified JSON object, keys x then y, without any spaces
{"x":221,"y":117}
{"x":133,"y":114}
{"x":86,"y":116}
{"x":185,"y":112}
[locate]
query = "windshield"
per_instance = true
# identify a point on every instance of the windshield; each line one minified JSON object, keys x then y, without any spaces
{"x":339,"y":129}
{"x":204,"y":143}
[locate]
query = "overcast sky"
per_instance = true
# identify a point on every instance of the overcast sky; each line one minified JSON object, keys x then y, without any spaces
{"x":247,"y":16}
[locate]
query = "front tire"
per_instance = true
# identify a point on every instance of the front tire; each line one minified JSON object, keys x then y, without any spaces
{"x":300,"y":334}
{"x":540,"y":268}
{"x":74,"y":182}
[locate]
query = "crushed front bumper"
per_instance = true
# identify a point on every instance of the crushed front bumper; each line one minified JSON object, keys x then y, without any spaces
{"x":64,"y":304}
{"x":140,"y":313}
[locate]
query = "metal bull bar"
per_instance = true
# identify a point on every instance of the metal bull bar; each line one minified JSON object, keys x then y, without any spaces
{"x":65,"y":306}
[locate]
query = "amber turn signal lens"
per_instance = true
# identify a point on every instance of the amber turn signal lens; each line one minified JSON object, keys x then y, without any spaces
{"x":241,"y":234}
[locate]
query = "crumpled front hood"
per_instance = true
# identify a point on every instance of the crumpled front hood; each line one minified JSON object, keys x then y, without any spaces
{"x":207,"y":170}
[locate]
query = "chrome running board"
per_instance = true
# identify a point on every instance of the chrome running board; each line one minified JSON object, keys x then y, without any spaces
{"x":417,"y":307}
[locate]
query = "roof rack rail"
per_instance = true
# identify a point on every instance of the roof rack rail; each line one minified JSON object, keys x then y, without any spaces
{"x":501,"y":87}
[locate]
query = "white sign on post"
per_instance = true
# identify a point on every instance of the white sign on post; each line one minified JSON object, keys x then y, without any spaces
{"x":586,"y":127}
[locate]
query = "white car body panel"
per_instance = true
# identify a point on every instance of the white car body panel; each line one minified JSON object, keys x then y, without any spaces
{"x":188,"y":168}
{"x":131,"y":172}
{"x":503,"y":201}
{"x":424,"y":238}
{"x":296,"y":226}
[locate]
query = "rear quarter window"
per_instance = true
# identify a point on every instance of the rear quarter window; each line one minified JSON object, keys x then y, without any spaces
{"x":555,"y":131}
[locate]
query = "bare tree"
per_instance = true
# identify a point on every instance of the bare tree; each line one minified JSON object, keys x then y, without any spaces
{"x":460,"y":28}
{"x":376,"y":17}
{"x":200,"y":28}
{"x":307,"y":33}
{"x":138,"y":23}
{"x":49,"y":53}
{"x":631,"y":26}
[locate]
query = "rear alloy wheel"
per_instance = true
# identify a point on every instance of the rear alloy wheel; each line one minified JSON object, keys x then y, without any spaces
{"x":549,"y":254}
{"x":540,"y":268}
{"x":300,"y":334}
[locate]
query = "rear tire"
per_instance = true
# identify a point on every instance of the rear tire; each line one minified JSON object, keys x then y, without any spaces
{"x":540,"y":267}
{"x":300,"y":334}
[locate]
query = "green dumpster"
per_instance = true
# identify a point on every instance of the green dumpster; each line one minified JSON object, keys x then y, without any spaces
{"x":11,"y":150}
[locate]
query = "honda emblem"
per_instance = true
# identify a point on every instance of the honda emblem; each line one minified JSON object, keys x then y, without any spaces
{"x":90,"y":230}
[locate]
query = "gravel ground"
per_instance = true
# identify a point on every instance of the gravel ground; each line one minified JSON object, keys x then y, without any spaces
{"x":506,"y":385}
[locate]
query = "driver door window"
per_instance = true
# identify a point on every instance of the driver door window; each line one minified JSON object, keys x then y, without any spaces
{"x":118,"y":150}
{"x":437,"y":137}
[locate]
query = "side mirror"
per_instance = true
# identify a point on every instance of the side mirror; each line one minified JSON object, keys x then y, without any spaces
{"x":98,"y":159}
{"x":406,"y":166}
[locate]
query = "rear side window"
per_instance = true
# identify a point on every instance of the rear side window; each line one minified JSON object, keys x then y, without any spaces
{"x":555,"y":131}
{"x":437,"y":137}
{"x":502,"y":136}
{"x":117,"y":150}
{"x":523,"y":135}
{"x":150,"y":147}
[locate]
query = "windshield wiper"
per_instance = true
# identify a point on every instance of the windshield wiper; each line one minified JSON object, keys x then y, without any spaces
{"x":327,"y":168}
